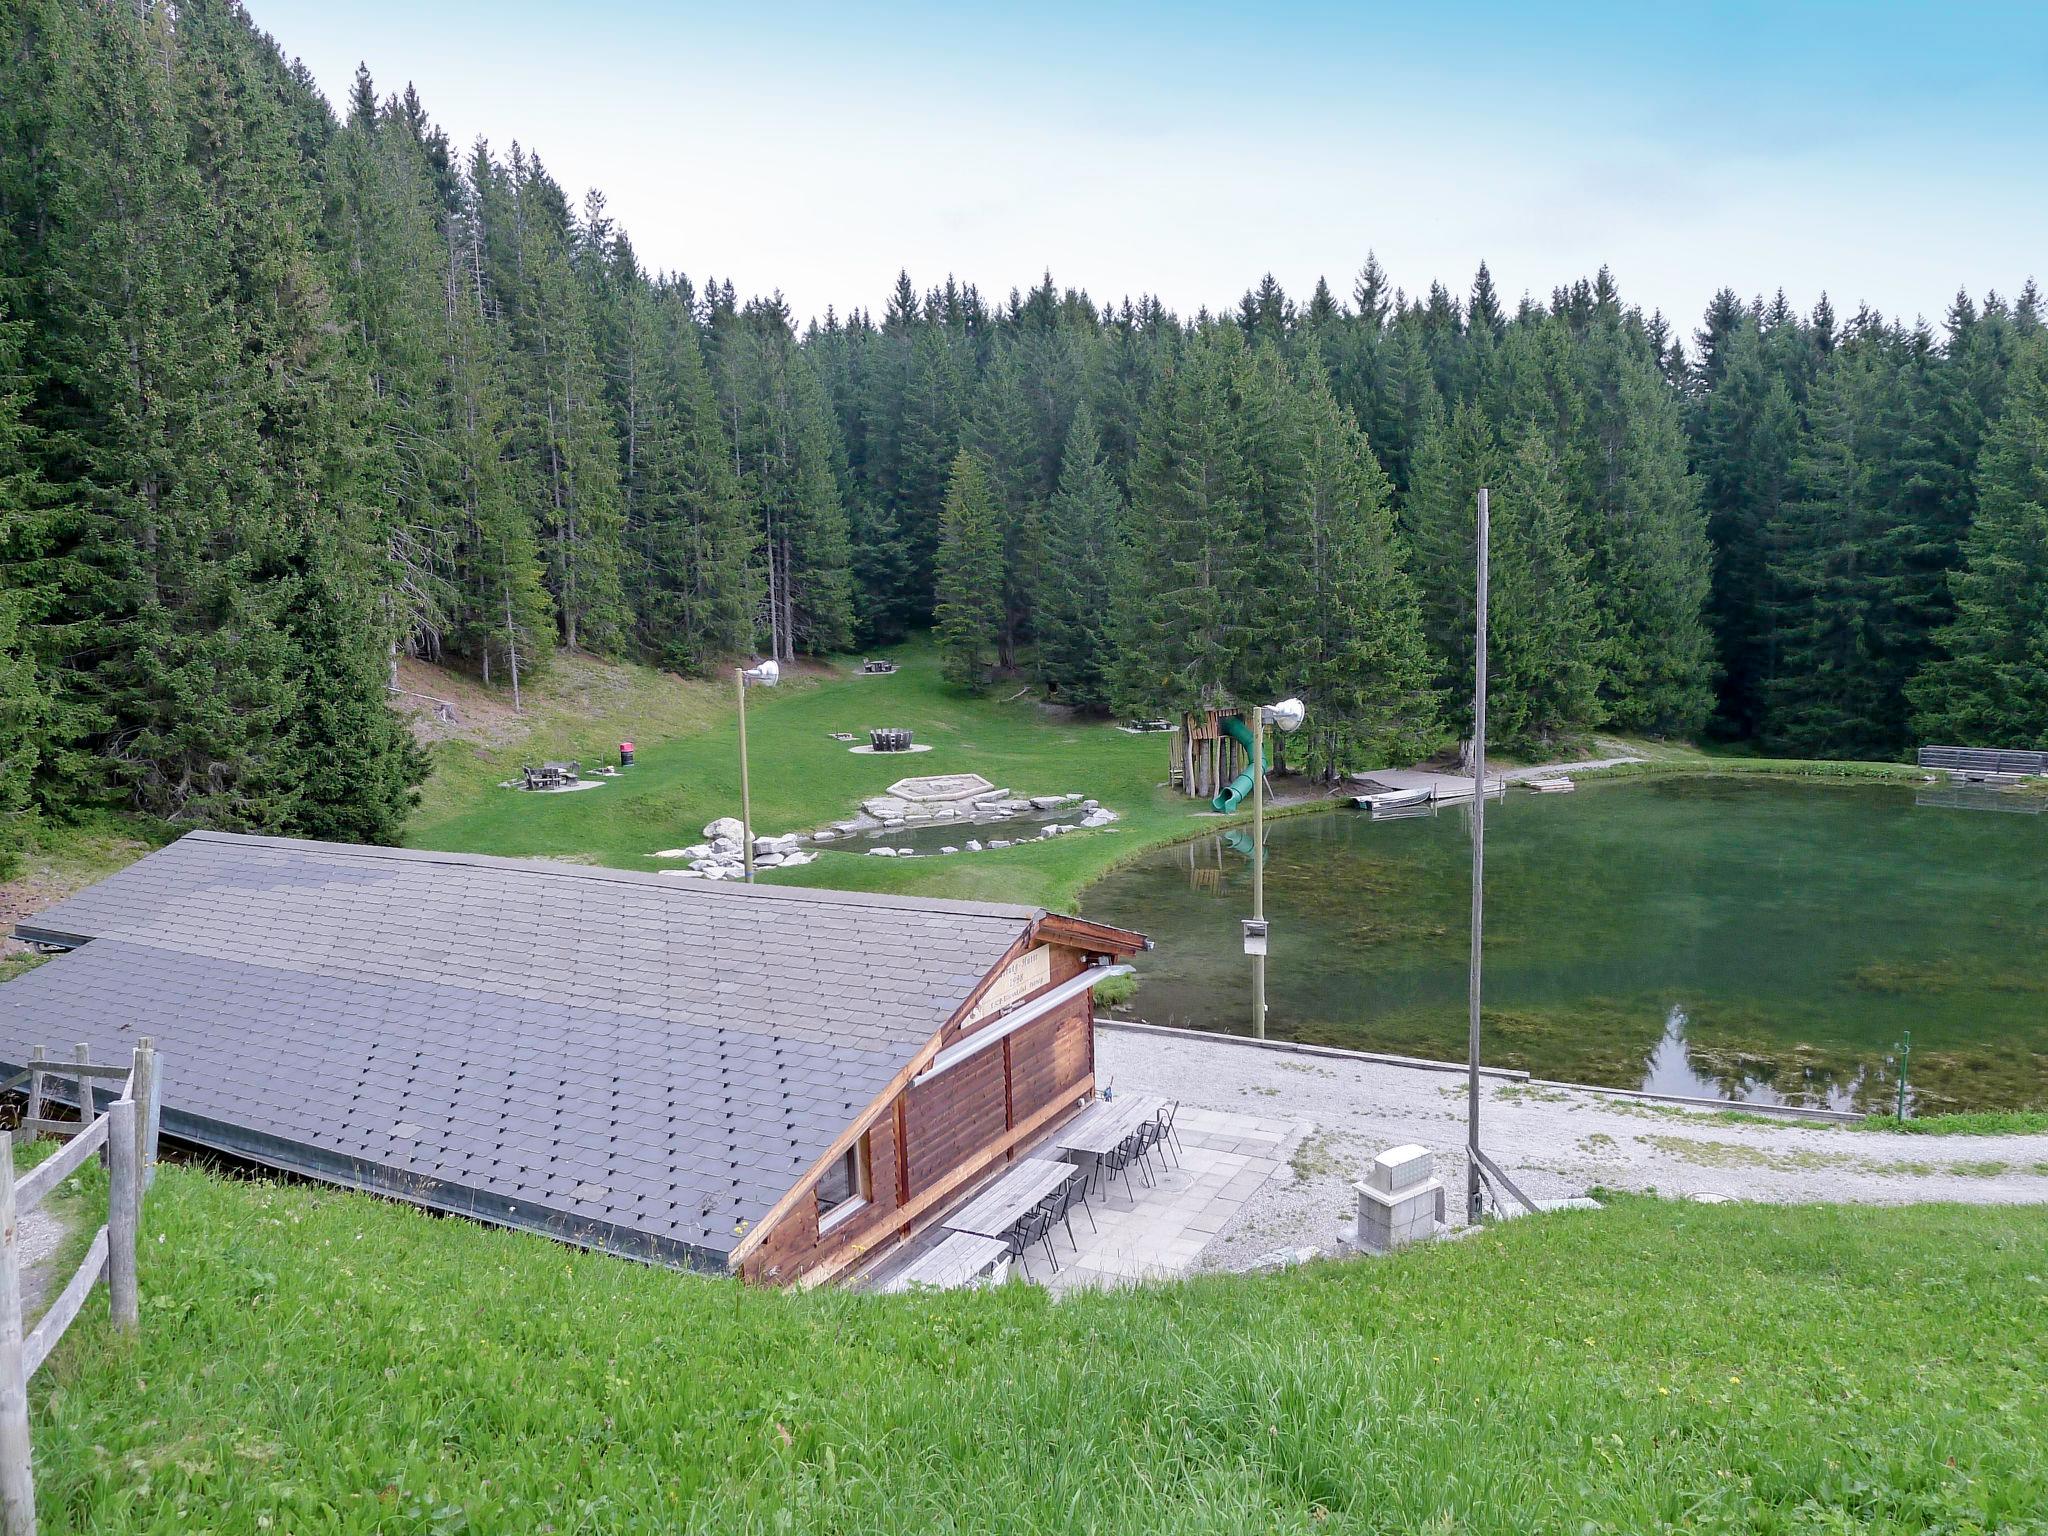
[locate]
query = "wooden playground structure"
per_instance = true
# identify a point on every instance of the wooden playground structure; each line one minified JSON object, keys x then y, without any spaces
{"x":1209,"y":751}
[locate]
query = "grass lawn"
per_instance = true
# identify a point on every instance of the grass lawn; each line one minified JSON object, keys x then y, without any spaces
{"x":687,"y":773}
{"x":313,"y":1361}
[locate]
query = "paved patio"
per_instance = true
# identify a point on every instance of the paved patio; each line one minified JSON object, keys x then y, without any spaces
{"x":1158,"y":1233}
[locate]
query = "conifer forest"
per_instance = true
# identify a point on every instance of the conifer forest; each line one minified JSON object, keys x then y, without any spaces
{"x":288,"y":390}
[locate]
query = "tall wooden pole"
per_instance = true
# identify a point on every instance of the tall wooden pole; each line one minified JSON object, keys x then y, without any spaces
{"x":739,"y":681}
{"x":1473,"y":1203}
{"x":1259,"y":863}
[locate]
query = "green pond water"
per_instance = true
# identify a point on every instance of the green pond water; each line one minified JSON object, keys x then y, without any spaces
{"x":1748,"y":939}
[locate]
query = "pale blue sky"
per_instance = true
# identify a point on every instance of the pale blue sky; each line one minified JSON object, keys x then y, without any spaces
{"x":1885,"y":152}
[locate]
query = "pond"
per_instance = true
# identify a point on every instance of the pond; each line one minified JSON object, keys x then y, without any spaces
{"x":1756,"y":940}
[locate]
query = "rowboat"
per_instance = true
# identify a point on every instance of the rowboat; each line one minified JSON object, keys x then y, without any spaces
{"x":1394,"y":800}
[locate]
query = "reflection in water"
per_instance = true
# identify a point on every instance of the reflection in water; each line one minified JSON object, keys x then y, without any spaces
{"x":1712,"y":936}
{"x":1670,"y":1070}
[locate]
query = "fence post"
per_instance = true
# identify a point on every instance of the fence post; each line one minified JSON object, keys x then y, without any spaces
{"x":17,"y":1482}
{"x":124,"y":1206}
{"x":34,"y":1108}
{"x":144,"y":1089}
{"x":82,"y":1054}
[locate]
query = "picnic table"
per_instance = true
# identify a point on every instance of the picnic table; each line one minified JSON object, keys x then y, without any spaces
{"x":961,"y":1259}
{"x":1006,"y":1202}
{"x":1103,"y":1126}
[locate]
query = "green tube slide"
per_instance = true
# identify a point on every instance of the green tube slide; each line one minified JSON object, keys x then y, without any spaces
{"x":1235,"y":791}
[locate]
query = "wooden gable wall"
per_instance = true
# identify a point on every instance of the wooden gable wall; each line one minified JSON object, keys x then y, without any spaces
{"x":953,"y":1128}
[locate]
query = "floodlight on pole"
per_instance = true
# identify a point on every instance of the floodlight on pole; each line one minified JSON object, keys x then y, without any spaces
{"x":766,"y":675}
{"x":1285,"y":717}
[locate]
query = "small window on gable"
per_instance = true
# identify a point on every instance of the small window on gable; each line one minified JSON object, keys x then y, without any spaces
{"x":843,"y":1186}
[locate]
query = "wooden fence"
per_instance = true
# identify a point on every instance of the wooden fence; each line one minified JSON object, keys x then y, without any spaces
{"x":126,"y":1129}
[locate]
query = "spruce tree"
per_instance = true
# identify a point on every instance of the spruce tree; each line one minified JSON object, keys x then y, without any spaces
{"x":1987,"y":686}
{"x":1367,"y":679}
{"x":1651,"y":565}
{"x":1542,"y":675}
{"x":564,"y":431}
{"x":1083,"y":552}
{"x":1439,"y":521}
{"x":24,"y":509}
{"x":1824,"y":697}
{"x":1181,"y":615}
{"x":970,"y":610}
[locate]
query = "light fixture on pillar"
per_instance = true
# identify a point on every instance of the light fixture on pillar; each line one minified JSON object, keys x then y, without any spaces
{"x":1285,"y":717}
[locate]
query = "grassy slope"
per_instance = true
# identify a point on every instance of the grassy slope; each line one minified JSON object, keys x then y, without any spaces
{"x":66,"y":857}
{"x":688,"y":773}
{"x":315,"y":1361}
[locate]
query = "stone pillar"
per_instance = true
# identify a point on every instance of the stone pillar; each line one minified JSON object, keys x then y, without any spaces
{"x":1399,"y":1200}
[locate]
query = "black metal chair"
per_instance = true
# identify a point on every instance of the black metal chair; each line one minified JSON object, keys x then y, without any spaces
{"x":1034,"y":1226}
{"x":1118,"y":1160}
{"x":1059,"y":1205}
{"x":1148,"y":1137}
{"x":1167,"y":1133}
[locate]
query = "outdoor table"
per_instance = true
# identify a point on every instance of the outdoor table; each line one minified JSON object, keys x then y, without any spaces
{"x":1007,"y":1201}
{"x":961,"y":1259}
{"x":1103,"y":1125}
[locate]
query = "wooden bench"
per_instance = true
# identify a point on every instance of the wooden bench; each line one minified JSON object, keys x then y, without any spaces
{"x":960,"y":1260}
{"x":1984,"y":762}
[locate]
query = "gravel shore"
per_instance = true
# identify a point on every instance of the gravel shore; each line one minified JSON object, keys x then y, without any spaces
{"x":1554,"y":1142}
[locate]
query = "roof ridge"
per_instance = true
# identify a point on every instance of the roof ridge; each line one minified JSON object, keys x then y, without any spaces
{"x":821,"y":895}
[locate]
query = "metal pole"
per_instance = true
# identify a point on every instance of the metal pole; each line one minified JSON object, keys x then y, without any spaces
{"x":739,"y":679}
{"x":1473,"y":1201}
{"x":1259,"y":863}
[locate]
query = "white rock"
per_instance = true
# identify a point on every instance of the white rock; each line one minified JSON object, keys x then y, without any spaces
{"x":791,"y":860}
{"x":1283,"y":1258}
{"x":1047,"y":802}
{"x":697,"y":851}
{"x":904,"y":853}
{"x":824,"y":837}
{"x":949,"y":848}
{"x":881,"y":853}
{"x":723,"y":828}
{"x":671,"y":853}
{"x":973,"y":845}
{"x":767,"y":860}
{"x":785,"y":843}
{"x":1098,"y":818}
{"x":997,"y":842}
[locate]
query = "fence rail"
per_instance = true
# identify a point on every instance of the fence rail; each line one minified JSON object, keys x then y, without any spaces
{"x":125,"y":1134}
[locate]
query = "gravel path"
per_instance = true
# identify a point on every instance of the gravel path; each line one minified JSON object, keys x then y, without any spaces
{"x":38,"y":1234}
{"x":1554,"y":1142}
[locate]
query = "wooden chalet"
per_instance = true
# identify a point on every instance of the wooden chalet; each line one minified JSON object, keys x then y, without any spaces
{"x":773,"y":1081}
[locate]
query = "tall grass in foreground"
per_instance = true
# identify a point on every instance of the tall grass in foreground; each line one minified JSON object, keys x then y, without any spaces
{"x":312,"y":1362}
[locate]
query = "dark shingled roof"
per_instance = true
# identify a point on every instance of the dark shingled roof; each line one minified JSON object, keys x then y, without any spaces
{"x":630,"y":1060}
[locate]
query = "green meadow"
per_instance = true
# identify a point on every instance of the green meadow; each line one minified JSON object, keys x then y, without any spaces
{"x":314,"y":1361}
{"x":687,"y":774}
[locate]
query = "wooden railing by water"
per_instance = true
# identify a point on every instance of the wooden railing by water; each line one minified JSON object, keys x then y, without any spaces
{"x":125,"y":1133}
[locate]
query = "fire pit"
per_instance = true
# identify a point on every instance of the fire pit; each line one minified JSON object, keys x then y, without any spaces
{"x":889,"y":740}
